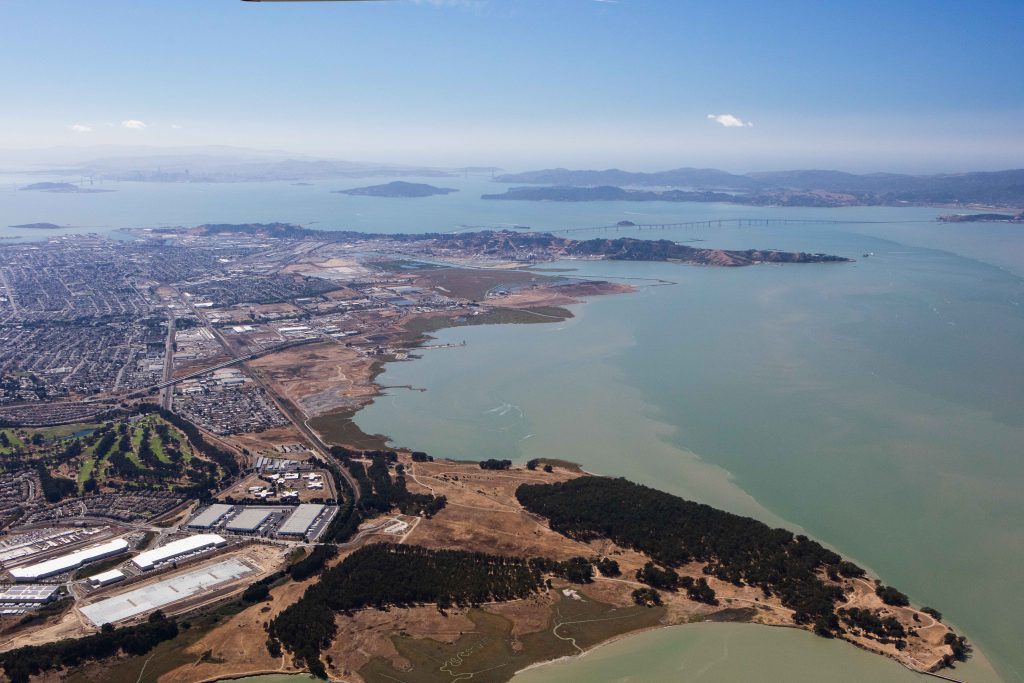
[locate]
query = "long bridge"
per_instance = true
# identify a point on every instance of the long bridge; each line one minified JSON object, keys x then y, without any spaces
{"x":717,"y":223}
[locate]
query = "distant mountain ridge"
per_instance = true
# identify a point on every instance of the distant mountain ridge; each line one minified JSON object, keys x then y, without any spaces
{"x":1001,"y":188}
{"x":198,"y":164}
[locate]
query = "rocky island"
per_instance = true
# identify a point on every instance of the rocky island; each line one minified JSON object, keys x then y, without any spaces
{"x":63,"y":188}
{"x":37,"y":226}
{"x":398,"y":188}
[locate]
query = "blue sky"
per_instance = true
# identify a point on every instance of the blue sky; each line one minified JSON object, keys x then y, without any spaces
{"x":895,"y":85}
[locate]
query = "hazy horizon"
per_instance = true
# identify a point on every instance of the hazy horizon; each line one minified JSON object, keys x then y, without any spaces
{"x":523,"y":84}
{"x":34,"y":160}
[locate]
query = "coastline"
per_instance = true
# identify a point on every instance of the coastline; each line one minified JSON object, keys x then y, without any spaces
{"x":542,"y":306}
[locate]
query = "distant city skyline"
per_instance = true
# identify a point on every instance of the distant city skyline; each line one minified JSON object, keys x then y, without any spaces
{"x":903,"y":87}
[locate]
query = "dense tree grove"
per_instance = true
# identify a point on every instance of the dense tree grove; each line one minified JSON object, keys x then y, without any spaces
{"x":648,"y":597}
{"x":674,"y":531}
{"x":384,"y":575}
{"x":313,"y":563}
{"x":575,"y":569}
{"x":608,"y":567}
{"x":257,"y":592}
{"x":652,"y":575}
{"x":379,"y":492}
{"x":959,"y":646}
{"x":55,"y":488}
{"x":33,"y":660}
{"x":699,"y":590}
{"x":891,"y":596}
{"x":492,"y":464}
{"x":888,"y":628}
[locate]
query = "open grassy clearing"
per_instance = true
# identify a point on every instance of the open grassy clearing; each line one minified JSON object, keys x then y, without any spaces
{"x":157,"y":447}
{"x":65,"y":431}
{"x":491,"y":654}
{"x":339,"y":427}
{"x":85,"y":471}
{"x":13,"y":441}
{"x":492,"y":316}
{"x":470,"y":283}
{"x":22,"y":437}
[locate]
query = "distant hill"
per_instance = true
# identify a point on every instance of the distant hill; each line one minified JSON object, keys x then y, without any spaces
{"x":607,"y":193}
{"x":398,"y":188}
{"x":211,"y":163}
{"x":799,"y":187}
{"x":704,"y":178}
{"x":37,"y":226}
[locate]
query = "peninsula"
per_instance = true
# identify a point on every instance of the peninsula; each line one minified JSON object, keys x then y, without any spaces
{"x":397,"y":188}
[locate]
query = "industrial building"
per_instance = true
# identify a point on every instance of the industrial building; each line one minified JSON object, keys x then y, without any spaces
{"x":65,"y":563}
{"x":174,"y":550}
{"x":210,"y":516}
{"x":162,"y":593}
{"x":37,"y":594}
{"x":106,"y":578}
{"x":249,"y":520}
{"x":301,"y":520}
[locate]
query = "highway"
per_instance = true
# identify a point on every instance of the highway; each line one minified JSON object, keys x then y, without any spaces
{"x":167,"y":393}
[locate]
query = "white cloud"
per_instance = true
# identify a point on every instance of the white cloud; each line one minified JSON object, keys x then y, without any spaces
{"x":80,"y":128}
{"x":175,"y":126}
{"x":730,"y":121}
{"x":134,"y":124}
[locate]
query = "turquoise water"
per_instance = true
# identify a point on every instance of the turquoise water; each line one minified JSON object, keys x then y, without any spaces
{"x":877,"y":405}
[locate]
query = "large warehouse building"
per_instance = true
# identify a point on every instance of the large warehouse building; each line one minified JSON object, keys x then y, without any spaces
{"x":29,"y":594}
{"x":300,"y":520}
{"x":248,"y":520}
{"x":174,"y":550}
{"x":66,"y":563}
{"x":210,"y":516}
{"x":161,"y":594}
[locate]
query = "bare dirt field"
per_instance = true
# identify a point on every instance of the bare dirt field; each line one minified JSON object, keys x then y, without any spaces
{"x":262,"y":443}
{"x":318,"y":377}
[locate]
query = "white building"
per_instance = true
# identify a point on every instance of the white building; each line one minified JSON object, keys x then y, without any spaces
{"x":106,"y":578}
{"x":190,"y":545}
{"x":66,"y":563}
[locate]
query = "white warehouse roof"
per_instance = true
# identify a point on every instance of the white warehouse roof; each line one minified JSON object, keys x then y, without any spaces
{"x":249,"y":519}
{"x":177,"y":548}
{"x":210,"y":516}
{"x":103,"y":578}
{"x":59,"y":565}
{"x":301,"y":519}
{"x":162,"y":593}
